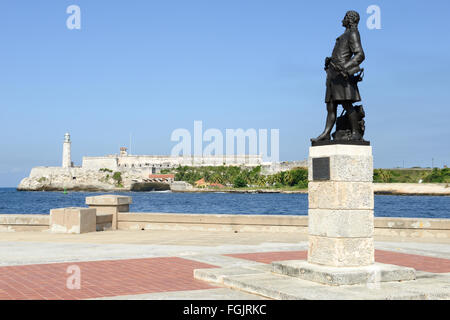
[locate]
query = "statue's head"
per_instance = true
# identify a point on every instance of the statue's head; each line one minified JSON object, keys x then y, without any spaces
{"x":351,"y":19}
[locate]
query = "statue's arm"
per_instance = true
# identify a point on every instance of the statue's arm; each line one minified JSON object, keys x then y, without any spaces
{"x":357,"y":50}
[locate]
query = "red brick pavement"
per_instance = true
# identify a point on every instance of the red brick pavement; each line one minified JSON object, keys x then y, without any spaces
{"x":100,"y":279}
{"x":422,"y":263}
{"x":137,"y":276}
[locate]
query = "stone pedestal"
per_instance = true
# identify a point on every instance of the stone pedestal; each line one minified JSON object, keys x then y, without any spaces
{"x":73,"y":220}
{"x":341,"y":205}
{"x":341,"y":221}
{"x":110,"y":204}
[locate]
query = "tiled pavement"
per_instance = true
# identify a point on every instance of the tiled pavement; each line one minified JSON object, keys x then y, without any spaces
{"x":420,"y":263}
{"x":138,"y":276}
{"x":100,"y":279}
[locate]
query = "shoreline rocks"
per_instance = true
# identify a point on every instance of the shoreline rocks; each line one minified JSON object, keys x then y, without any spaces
{"x":409,"y":189}
{"x":88,"y":180}
{"x":84,"y":180}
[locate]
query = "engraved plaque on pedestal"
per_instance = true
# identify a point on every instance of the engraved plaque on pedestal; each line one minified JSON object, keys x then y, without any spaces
{"x":321,"y":169}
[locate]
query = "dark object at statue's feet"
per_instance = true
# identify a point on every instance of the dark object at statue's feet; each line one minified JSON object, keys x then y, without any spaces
{"x":356,"y":136}
{"x":322,"y":137}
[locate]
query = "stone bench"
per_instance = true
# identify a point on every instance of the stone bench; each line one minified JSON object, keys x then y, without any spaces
{"x":73,"y":220}
{"x":110,"y":204}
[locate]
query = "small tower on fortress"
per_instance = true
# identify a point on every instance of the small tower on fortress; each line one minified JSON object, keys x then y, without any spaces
{"x":66,"y":160}
{"x":123,"y":151}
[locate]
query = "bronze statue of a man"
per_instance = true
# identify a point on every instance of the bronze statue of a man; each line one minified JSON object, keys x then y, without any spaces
{"x":343,"y":74}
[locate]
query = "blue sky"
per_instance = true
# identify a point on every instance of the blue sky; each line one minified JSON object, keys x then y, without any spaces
{"x":149,"y":67}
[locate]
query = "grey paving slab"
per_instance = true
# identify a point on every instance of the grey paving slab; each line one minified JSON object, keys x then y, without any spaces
{"x":36,"y":248}
{"x":336,"y":276}
{"x":221,"y":260}
{"x":218,"y":275}
{"x":274,"y":286}
{"x":22,"y":253}
{"x":209,"y":294}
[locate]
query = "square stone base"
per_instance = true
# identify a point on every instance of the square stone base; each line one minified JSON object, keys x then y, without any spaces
{"x":73,"y":220}
{"x":338,"y":276}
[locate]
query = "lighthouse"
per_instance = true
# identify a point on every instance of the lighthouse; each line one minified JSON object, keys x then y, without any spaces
{"x":66,"y":161}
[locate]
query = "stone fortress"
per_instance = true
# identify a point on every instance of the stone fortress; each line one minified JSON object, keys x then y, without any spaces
{"x":121,"y":171}
{"x":154,"y":164}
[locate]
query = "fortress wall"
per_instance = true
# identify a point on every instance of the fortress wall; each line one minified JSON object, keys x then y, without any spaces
{"x":147,"y":161}
{"x":49,"y":172}
{"x":97,"y":163}
{"x":171,"y":162}
{"x":272,"y":168}
{"x":249,"y":160}
{"x":124,"y":163}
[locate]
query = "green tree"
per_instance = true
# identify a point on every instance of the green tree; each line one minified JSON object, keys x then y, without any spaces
{"x":382,"y":175}
{"x":117,"y":176}
{"x":295,"y":176}
{"x":239,"y":182}
{"x":438,"y":175}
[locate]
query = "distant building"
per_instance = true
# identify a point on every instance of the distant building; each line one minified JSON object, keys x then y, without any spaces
{"x":162,"y":178}
{"x":66,"y":158}
{"x":154,"y":164}
{"x":200,"y":183}
{"x":123,"y":151}
{"x":145,"y":165}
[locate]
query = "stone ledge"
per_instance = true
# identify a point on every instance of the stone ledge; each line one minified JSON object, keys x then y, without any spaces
{"x":340,"y":149}
{"x":340,"y":142}
{"x":231,"y":219}
{"x":412,"y":223}
{"x":338,"y":276}
{"x":108,"y":200}
{"x":25,"y":219}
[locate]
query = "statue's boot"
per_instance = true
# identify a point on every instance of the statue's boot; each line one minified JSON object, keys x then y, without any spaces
{"x":356,"y":133}
{"x":325,"y":136}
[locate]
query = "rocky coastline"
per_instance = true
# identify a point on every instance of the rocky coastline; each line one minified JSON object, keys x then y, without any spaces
{"x":79,"y":179}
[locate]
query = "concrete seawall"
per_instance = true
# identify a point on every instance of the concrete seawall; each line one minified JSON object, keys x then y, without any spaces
{"x":432,"y":189}
{"x":41,"y":222}
{"x":398,"y":228}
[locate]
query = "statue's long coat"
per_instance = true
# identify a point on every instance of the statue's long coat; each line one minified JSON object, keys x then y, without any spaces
{"x":347,"y":52}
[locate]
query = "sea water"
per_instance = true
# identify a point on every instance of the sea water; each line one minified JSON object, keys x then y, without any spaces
{"x":12,"y":201}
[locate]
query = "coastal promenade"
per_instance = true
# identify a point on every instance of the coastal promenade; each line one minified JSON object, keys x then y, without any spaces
{"x":107,"y":252}
{"x":160,"y":264}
